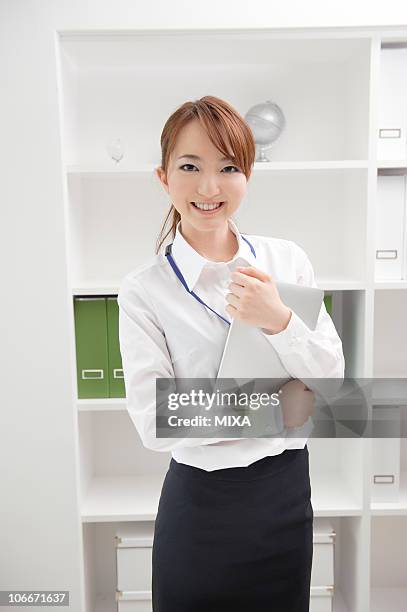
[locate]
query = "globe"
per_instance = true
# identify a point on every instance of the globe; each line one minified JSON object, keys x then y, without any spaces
{"x":267,"y":122}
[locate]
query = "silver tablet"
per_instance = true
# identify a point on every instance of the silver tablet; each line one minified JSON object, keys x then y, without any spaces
{"x":249,"y":355}
{"x":251,"y":363}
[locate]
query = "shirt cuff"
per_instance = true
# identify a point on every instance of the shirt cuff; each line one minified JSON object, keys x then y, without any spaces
{"x":302,"y":432}
{"x":295,"y":332}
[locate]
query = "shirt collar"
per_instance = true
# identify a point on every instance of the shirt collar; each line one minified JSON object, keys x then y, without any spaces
{"x":191,"y":263}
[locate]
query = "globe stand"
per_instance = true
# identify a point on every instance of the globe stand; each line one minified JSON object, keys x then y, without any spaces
{"x":261,"y":155}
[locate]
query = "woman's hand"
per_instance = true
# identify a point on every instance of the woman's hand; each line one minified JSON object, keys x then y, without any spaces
{"x":254,"y":299}
{"x":297,"y":403}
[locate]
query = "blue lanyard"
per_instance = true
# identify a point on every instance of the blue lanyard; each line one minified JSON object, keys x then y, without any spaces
{"x":182,"y":279}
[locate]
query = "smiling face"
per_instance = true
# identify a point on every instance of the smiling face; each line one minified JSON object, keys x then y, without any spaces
{"x":207,"y":180}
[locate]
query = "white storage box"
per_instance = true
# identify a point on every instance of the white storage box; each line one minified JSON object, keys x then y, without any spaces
{"x":134,"y":544}
{"x":392,"y":104}
{"x":322,"y":574}
{"x":321,"y":599}
{"x":386,"y":457}
{"x":132,"y":601}
{"x":390,"y":227}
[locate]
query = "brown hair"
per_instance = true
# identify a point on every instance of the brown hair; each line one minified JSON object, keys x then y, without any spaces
{"x":227,"y":130}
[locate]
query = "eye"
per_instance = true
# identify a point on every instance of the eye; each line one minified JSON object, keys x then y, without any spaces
{"x":235,"y":167}
{"x":183,"y":166}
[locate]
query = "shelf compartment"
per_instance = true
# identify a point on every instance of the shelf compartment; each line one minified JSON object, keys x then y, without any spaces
{"x":323,"y":212}
{"x":108,"y":222}
{"x":100,"y":564}
{"x":324,"y":80}
{"x":399,"y":507}
{"x":388,"y":563}
{"x":121,"y":480}
{"x":122,"y":498}
{"x":390,"y":334}
{"x":336,"y":473}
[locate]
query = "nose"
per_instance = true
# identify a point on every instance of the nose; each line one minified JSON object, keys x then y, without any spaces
{"x":208,"y":186}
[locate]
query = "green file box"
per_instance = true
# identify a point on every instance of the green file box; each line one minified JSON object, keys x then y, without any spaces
{"x":116,"y":379}
{"x":328,"y":303}
{"x":91,"y":347}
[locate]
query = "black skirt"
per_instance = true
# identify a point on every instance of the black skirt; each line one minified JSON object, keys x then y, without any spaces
{"x":235,"y":539}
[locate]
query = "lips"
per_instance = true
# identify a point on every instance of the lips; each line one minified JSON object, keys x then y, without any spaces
{"x":208,"y":212}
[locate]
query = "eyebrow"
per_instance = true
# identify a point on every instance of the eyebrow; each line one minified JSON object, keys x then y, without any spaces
{"x":198,"y":158}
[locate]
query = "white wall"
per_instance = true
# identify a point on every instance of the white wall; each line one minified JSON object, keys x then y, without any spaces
{"x":40,"y":535}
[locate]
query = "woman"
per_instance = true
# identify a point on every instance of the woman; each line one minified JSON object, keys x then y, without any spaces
{"x":234,"y":525}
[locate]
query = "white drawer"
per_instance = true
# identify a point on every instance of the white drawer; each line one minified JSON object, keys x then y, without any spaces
{"x":134,"y":549}
{"x":130,"y":602}
{"x":323,"y":553}
{"x":321,"y":599}
{"x":134,"y":556}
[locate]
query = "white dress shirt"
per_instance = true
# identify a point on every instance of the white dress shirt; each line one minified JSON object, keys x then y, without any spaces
{"x":165,"y":332}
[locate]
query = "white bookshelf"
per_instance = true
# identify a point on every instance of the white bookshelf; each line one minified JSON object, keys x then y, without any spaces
{"x":328,"y":84}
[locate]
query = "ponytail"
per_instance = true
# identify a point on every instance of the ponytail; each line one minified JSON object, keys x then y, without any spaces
{"x":174,"y":217}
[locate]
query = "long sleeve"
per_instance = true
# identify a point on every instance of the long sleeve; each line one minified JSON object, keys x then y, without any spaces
{"x":145,"y":357}
{"x":307,"y":353}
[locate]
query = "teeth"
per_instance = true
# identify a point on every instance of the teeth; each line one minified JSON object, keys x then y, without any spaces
{"x":205,"y":206}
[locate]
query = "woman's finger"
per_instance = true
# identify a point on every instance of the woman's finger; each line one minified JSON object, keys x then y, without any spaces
{"x":232,"y":299}
{"x":236,"y":289}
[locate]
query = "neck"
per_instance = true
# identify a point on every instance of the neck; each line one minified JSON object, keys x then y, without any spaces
{"x":219,"y":244}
